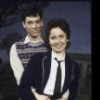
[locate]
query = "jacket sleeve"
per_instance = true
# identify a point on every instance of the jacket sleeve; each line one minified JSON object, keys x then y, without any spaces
{"x":27,"y":82}
{"x":75,"y":81}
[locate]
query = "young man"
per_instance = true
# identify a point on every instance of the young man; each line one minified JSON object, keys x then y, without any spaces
{"x":22,"y":50}
{"x":42,"y":70}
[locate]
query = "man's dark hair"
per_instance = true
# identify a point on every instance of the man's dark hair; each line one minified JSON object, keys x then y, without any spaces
{"x":62,"y":24}
{"x":32,"y":10}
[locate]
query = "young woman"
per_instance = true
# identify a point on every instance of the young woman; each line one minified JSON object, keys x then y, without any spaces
{"x":41,"y":73}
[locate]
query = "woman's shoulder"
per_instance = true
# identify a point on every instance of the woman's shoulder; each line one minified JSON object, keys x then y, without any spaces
{"x":75,"y":63}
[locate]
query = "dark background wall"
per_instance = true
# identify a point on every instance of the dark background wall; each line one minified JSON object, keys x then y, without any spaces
{"x":77,"y":14}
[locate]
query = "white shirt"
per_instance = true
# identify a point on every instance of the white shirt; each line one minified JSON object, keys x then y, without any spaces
{"x":52,"y":78}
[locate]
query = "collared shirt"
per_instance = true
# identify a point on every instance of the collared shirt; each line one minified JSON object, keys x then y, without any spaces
{"x":27,"y":40}
{"x":15,"y":62}
{"x":52,"y":78}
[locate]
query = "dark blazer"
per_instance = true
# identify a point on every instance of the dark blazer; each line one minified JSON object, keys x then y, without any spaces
{"x":37,"y":73}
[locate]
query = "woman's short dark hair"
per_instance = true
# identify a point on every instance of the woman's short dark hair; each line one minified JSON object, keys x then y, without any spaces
{"x":32,"y":10}
{"x":62,"y":24}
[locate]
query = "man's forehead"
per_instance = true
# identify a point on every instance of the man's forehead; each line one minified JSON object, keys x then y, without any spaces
{"x":33,"y":18}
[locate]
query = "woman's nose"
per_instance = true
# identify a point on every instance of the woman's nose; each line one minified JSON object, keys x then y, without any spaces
{"x":57,"y":40}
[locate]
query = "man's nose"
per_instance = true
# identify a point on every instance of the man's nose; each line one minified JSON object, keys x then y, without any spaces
{"x":34,"y":25}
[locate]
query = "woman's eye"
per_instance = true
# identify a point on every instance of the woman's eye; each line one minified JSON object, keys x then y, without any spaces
{"x":52,"y":37}
{"x":61,"y":36}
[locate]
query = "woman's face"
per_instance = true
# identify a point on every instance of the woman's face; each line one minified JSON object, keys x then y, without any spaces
{"x":58,"y":40}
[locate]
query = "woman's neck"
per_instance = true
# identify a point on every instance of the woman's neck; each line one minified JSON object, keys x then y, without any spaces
{"x":60,"y":55}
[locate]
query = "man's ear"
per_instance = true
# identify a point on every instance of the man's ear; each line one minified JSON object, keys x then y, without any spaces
{"x":23,"y":23}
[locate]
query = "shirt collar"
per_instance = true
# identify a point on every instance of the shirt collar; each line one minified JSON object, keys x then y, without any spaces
{"x":27,"y":40}
{"x":53,"y":56}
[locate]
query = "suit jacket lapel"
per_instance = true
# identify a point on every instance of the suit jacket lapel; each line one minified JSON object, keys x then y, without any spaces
{"x":68,"y":71}
{"x":47,"y":66}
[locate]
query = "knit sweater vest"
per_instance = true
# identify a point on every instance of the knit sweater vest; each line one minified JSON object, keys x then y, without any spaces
{"x":25,"y":51}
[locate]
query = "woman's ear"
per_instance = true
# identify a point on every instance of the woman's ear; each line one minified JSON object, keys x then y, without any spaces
{"x":67,"y":40}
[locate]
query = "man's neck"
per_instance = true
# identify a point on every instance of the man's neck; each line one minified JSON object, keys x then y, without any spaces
{"x":35,"y":39}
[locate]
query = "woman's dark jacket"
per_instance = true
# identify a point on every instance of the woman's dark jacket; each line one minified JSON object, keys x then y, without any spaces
{"x":37,"y":73}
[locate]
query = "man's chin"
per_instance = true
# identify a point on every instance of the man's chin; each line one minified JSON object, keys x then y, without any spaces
{"x":34,"y":36}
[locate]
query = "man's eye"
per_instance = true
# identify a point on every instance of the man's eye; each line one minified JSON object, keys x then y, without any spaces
{"x":37,"y":21}
{"x":29,"y":22}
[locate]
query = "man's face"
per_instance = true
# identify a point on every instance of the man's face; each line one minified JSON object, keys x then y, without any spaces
{"x":33,"y":26}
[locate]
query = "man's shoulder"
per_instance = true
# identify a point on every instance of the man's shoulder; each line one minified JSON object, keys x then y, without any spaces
{"x":21,"y":41}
